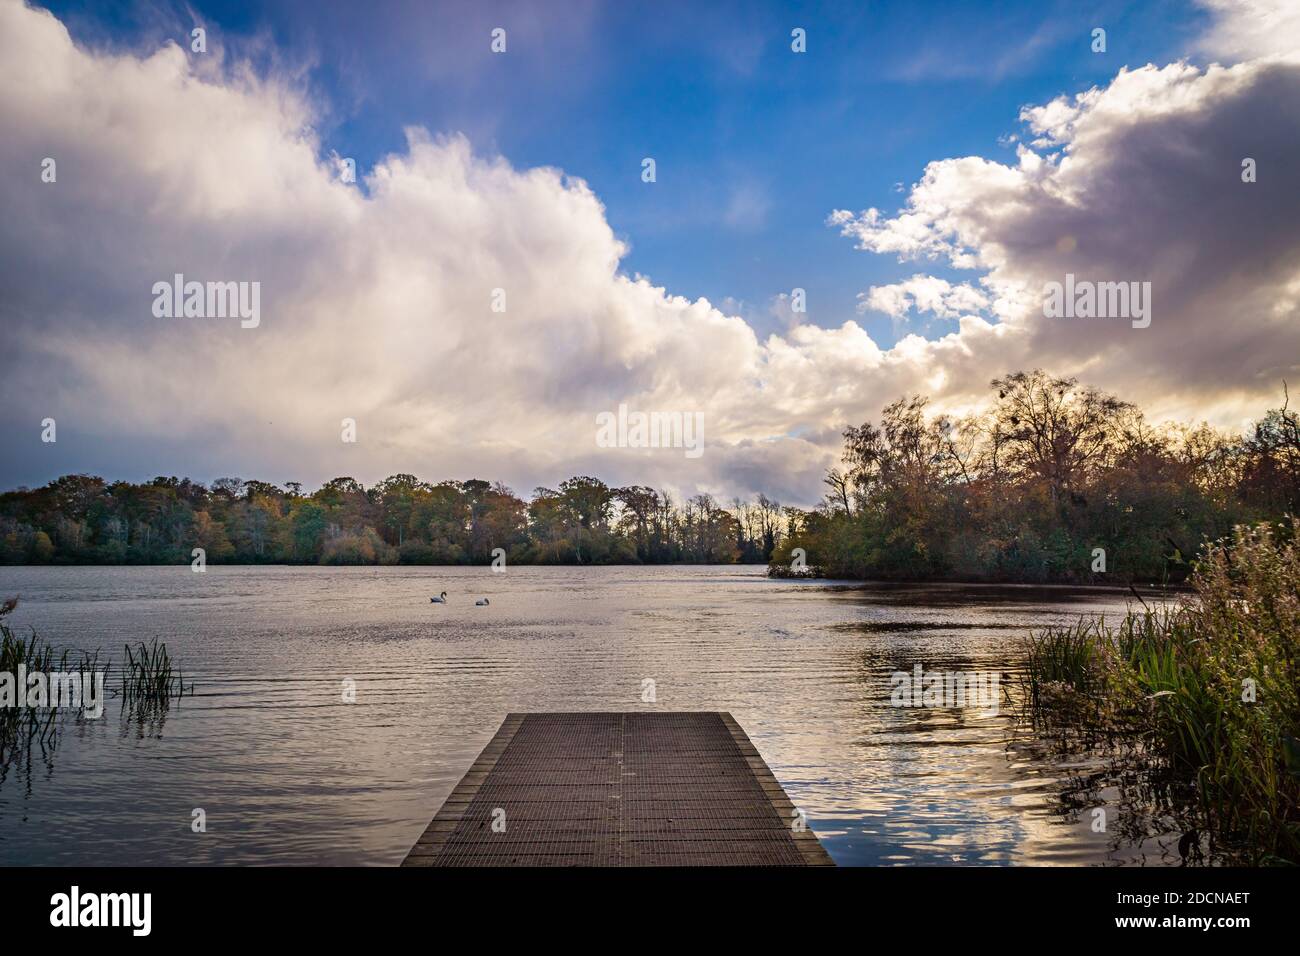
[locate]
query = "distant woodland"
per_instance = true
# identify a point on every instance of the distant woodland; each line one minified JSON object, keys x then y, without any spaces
{"x":1027,"y":490}
{"x":81,"y":519}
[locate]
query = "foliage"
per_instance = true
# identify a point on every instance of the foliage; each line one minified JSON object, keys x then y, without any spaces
{"x":1030,"y":488}
{"x":80,"y":519}
{"x":1211,"y":687}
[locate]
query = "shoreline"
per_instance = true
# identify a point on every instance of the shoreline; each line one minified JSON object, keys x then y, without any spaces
{"x":1151,"y":587}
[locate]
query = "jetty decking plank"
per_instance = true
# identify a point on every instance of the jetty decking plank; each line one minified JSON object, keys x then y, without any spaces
{"x":618,"y":789}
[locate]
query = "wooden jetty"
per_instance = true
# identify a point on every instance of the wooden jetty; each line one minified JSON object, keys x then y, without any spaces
{"x":618,"y":789}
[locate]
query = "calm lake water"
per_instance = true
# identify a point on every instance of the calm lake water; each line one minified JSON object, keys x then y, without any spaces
{"x":288,"y":773}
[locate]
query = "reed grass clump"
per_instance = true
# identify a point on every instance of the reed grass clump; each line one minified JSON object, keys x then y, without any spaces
{"x":150,"y":679}
{"x":21,"y":724}
{"x":1060,"y":668}
{"x":1210,"y":687}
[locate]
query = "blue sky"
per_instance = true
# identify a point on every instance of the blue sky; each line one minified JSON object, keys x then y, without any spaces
{"x":754,"y":145}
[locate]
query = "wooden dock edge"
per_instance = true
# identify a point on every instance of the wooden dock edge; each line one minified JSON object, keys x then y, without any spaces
{"x":810,"y":848}
{"x":431,"y":841}
{"x":440,"y":828}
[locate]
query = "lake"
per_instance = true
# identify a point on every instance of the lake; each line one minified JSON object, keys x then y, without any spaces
{"x":286,"y":772}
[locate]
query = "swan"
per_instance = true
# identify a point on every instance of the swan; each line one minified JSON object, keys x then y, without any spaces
{"x":481,"y":602}
{"x":439,"y":600}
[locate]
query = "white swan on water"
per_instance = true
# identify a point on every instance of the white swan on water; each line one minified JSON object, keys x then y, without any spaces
{"x":439,"y":600}
{"x":481,"y":602}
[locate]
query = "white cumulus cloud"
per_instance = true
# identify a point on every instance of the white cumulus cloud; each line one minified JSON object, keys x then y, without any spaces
{"x":376,"y":299}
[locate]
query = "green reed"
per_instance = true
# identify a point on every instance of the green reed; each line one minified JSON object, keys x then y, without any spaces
{"x":1210,"y":687}
{"x":151,"y":679}
{"x":22,"y":725}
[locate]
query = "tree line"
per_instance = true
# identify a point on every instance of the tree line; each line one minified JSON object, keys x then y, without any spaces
{"x":82,"y":519}
{"x":1051,"y":482}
